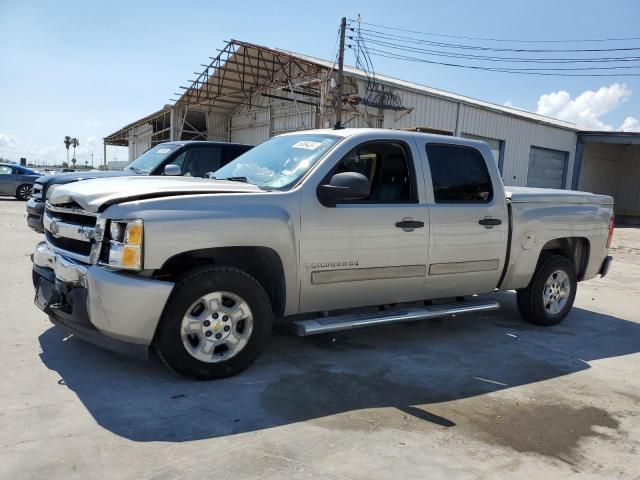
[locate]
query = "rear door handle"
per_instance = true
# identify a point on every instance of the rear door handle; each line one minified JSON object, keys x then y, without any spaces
{"x":409,"y":224}
{"x":490,"y":222}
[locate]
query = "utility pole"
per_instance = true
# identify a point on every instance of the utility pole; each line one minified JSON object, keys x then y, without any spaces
{"x":343,"y":29}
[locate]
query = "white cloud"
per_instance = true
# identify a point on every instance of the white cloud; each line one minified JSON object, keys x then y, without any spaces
{"x":7,"y":141}
{"x":630,"y":124}
{"x":91,"y":123}
{"x":586,"y":109}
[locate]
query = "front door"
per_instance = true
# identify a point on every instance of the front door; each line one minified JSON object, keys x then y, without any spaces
{"x":372,"y":251}
{"x":469,"y":223}
{"x":7,"y":180}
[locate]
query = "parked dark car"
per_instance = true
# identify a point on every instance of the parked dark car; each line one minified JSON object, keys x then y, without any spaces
{"x":188,"y":158}
{"x":16,"y":180}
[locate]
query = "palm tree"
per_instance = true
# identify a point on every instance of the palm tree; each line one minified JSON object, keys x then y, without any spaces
{"x":67,"y":143}
{"x":74,"y":143}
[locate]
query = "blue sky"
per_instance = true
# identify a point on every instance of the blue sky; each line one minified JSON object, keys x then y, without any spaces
{"x":87,"y":68}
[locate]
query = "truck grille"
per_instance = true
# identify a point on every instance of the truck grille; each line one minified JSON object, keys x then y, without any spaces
{"x":72,"y":231}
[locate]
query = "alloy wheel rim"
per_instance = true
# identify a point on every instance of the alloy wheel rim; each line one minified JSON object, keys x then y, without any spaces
{"x":555,"y":294}
{"x":216,"y":327}
{"x":25,"y":191}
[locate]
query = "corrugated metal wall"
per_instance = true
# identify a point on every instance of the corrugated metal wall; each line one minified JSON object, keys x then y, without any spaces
{"x":250,"y":127}
{"x":267,"y":118}
{"x":217,"y":126}
{"x":600,"y":168}
{"x":139,"y":140}
{"x":628,"y":195}
{"x":614,"y":170}
{"x":517,"y":134}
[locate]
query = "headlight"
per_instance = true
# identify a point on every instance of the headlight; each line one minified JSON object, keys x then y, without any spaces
{"x":49,"y":190}
{"x":125,"y":244}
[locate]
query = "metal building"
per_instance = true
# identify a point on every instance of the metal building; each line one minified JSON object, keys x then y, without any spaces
{"x":249,"y":93}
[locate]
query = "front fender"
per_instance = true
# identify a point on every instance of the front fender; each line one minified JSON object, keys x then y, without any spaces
{"x":179,"y":224}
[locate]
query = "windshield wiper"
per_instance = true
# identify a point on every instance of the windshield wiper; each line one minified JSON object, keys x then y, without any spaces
{"x":134,"y":169}
{"x":234,"y":179}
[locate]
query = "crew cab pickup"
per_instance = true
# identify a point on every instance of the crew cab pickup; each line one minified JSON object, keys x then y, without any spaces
{"x":326,"y":229}
{"x":192,"y":158}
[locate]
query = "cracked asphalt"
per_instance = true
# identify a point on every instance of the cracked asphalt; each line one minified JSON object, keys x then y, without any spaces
{"x":479,"y":396}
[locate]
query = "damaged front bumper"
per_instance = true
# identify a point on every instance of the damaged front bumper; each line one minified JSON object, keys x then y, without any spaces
{"x":115,"y":310}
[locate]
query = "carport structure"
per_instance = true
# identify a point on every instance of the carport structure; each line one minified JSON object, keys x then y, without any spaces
{"x":245,"y":86}
{"x":609,"y":163}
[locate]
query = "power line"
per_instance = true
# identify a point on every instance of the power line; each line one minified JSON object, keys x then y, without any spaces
{"x":489,"y":39}
{"x":538,"y":72}
{"x":496,"y":58}
{"x":462,"y":46}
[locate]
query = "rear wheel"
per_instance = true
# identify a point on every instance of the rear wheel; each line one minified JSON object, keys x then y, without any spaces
{"x":217,"y":322}
{"x":23,"y":192}
{"x":551,"y":293}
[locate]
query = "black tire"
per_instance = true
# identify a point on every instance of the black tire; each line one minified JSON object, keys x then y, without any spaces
{"x":23,"y":192}
{"x":530,"y":300}
{"x":193,"y":285}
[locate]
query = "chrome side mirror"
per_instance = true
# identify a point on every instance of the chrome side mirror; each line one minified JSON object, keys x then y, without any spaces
{"x":172,"y":170}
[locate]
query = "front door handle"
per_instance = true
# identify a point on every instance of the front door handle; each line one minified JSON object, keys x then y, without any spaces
{"x":409,"y":224}
{"x":490,"y":222}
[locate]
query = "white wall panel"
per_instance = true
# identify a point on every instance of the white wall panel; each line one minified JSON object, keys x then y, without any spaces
{"x":250,"y":127}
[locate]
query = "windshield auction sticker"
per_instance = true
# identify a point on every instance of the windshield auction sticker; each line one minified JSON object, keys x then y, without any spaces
{"x":307,"y":144}
{"x":163,"y":150}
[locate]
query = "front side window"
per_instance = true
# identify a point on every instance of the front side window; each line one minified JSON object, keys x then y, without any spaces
{"x":279,"y":162}
{"x":459,"y":174}
{"x":386,"y":166}
{"x":201,"y":161}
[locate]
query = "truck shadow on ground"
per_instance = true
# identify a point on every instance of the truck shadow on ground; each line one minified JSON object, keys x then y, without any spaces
{"x":409,"y":367}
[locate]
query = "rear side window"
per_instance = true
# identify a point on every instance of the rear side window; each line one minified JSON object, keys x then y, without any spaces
{"x":459,"y":174}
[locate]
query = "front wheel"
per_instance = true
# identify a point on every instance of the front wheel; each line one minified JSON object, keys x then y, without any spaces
{"x":23,"y":192}
{"x":550,"y":294}
{"x":216,"y":323}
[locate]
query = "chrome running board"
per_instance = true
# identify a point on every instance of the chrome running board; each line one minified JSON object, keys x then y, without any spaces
{"x":337,"y":323}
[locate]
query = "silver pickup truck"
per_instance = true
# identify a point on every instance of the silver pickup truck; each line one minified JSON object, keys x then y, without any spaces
{"x":326,"y":229}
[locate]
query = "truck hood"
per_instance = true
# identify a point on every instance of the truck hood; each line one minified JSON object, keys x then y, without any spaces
{"x":552,"y":195}
{"x":94,"y":195}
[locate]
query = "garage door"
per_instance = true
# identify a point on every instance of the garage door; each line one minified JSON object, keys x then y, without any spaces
{"x":547,"y":168}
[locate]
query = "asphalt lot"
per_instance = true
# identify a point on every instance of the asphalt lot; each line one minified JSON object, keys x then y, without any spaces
{"x":481,"y":396}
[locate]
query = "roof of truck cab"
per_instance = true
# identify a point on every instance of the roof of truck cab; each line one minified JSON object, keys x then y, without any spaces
{"x":205,"y":142}
{"x":381,"y":132}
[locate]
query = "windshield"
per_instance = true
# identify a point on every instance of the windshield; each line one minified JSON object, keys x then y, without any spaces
{"x":149,"y":160}
{"x":279,"y":162}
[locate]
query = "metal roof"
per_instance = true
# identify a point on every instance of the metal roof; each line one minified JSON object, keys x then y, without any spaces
{"x":120,"y":136}
{"x":242,"y":69}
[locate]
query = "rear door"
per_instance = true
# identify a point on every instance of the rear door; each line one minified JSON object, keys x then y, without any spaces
{"x":357,"y":253}
{"x":468,"y":217}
